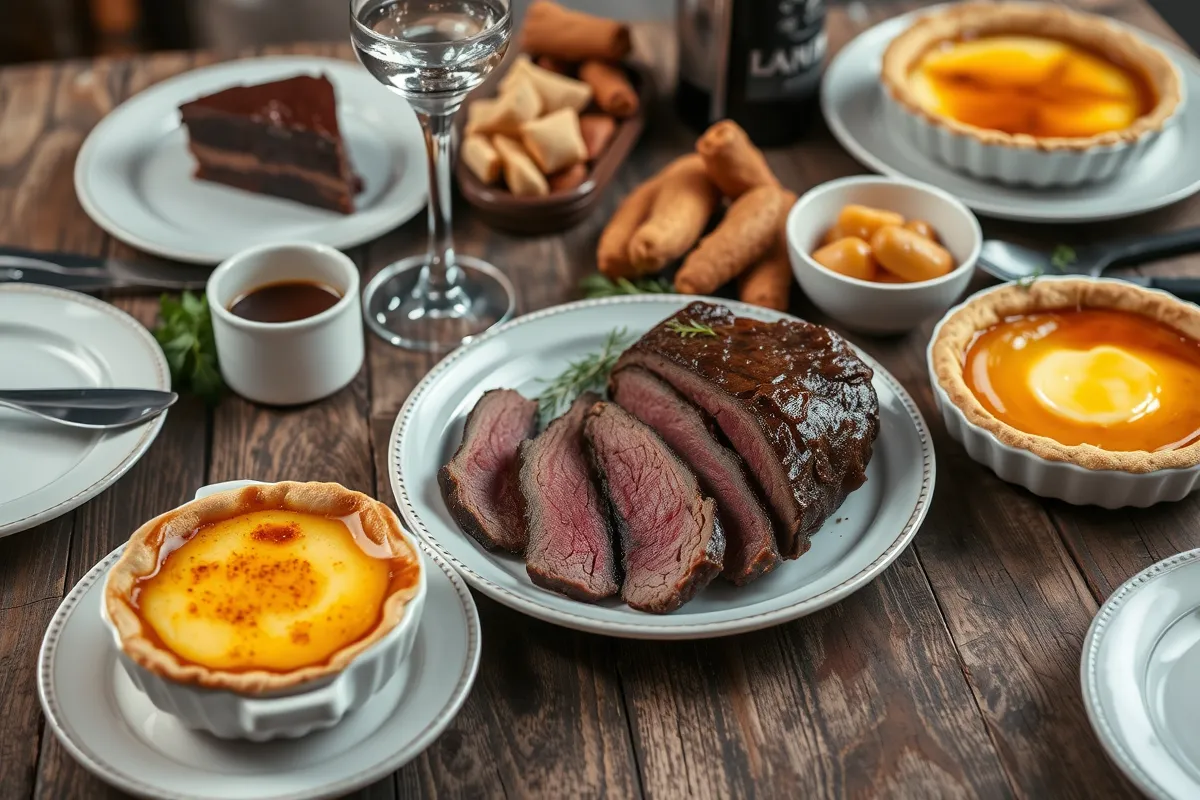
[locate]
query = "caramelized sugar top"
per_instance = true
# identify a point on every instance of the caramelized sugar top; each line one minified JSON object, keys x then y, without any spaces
{"x":1113,"y":379}
{"x":273,"y":590}
{"x":1030,"y":85}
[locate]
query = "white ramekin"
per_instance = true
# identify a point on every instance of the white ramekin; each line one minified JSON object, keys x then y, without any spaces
{"x":1060,"y":480}
{"x":287,"y":363}
{"x":1019,"y":165}
{"x":871,"y":306}
{"x":288,"y":714}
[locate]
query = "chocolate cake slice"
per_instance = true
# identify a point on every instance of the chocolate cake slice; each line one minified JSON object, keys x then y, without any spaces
{"x":279,"y":138}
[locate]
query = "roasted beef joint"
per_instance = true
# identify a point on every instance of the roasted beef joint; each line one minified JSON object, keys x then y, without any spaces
{"x":479,"y":484}
{"x":792,"y":398}
{"x":671,"y":542}
{"x":570,"y":546}
{"x":750,"y":549}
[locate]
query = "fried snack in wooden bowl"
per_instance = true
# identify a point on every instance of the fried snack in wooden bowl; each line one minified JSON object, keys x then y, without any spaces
{"x":590,"y":115}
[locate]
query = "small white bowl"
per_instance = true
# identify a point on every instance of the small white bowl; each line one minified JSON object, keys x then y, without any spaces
{"x":287,"y":363}
{"x":288,"y":714}
{"x":1060,"y":480}
{"x":868,"y":306}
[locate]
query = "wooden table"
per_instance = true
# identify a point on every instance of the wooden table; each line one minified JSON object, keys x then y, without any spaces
{"x":953,"y":674}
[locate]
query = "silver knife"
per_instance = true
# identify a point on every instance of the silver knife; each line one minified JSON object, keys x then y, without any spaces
{"x":84,"y":273}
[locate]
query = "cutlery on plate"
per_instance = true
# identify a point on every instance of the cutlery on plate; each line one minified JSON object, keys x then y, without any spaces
{"x":1011,"y":262}
{"x":83,"y":273}
{"x":90,"y":408}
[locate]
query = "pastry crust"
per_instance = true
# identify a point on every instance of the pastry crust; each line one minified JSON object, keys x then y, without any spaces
{"x":141,"y":558}
{"x":1089,"y":31}
{"x":959,"y":330}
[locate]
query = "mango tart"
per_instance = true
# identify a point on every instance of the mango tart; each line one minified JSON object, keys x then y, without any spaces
{"x":263,"y":588}
{"x":1096,"y":373}
{"x":1031,"y":76}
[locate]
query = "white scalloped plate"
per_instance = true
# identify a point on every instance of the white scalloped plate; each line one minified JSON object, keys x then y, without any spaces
{"x":52,"y":338}
{"x":862,"y":538}
{"x":1139,"y":674}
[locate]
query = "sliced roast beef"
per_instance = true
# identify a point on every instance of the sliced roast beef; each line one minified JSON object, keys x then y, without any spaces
{"x":479,"y":484}
{"x":792,"y":398}
{"x":570,"y":540}
{"x":749,"y":540}
{"x":671,"y":542}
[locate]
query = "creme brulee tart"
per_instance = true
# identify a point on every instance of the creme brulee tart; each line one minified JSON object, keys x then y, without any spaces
{"x":1076,"y":388}
{"x":270,"y":592}
{"x":1027,"y":93}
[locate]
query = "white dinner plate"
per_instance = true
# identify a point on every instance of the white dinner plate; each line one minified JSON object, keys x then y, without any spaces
{"x":134,"y":173}
{"x":115,"y":732}
{"x":852,"y":102}
{"x":1139,"y":673}
{"x":866,"y":534}
{"x":55,"y":339}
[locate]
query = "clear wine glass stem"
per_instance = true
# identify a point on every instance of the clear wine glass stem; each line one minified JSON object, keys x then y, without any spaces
{"x":441,"y":274}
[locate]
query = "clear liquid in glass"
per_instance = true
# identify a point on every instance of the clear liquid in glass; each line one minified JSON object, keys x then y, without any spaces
{"x":423,"y":49}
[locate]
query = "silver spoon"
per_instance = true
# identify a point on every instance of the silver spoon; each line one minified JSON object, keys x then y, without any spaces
{"x":95,"y":409}
{"x":1013,"y":262}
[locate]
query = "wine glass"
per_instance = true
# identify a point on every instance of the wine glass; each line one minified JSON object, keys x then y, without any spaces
{"x":432,"y":53}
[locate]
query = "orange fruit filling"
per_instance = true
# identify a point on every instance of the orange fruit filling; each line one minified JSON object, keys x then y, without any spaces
{"x":1029,"y":85}
{"x":1113,"y":379}
{"x":273,"y":590}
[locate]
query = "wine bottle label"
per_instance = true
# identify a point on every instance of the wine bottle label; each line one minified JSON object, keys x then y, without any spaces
{"x":787,"y":46}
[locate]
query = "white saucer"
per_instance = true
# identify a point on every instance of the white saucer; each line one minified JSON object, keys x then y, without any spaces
{"x":53,"y":338}
{"x":134,"y":178}
{"x":852,"y":102}
{"x":115,"y":732}
{"x":1139,"y":673}
{"x":859,"y":541}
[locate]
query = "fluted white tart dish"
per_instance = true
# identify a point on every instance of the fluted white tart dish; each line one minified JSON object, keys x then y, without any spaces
{"x":286,"y":712}
{"x":1021,"y":158}
{"x":1055,"y":475}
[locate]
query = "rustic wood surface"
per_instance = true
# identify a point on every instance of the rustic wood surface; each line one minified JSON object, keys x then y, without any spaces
{"x":954,"y":674}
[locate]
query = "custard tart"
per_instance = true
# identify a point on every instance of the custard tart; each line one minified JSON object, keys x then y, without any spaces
{"x":263,"y":588}
{"x":1027,"y":93}
{"x":1096,"y":373}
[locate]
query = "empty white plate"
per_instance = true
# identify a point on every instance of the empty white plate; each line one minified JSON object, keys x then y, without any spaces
{"x":114,"y":731}
{"x":55,"y":339}
{"x":858,"y":542}
{"x":1141,"y":660}
{"x":134,"y":177}
{"x":852,"y":102}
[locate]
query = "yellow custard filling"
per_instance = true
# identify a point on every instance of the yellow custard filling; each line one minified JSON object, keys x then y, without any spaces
{"x":274,"y":590}
{"x":1029,"y":85}
{"x":1113,"y":379}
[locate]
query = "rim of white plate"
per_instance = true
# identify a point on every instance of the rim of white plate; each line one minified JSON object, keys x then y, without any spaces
{"x":148,"y":435}
{"x":118,"y":778}
{"x":1089,"y":665}
{"x":682,"y":630}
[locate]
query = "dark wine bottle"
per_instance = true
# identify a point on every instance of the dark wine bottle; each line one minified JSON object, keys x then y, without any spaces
{"x":757,"y":62}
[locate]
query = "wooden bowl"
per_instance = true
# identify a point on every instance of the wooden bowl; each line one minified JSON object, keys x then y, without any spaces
{"x":558,"y":211}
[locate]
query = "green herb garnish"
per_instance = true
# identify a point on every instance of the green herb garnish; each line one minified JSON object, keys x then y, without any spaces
{"x":1028,"y":280}
{"x":692,"y":328}
{"x":598,"y":285}
{"x":587,"y":374}
{"x":1062,"y":257}
{"x":185,"y":334}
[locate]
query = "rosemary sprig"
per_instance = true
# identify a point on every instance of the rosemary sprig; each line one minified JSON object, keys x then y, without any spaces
{"x":598,"y":285}
{"x":586,"y":374}
{"x":692,"y":328}
{"x":1062,"y":257}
